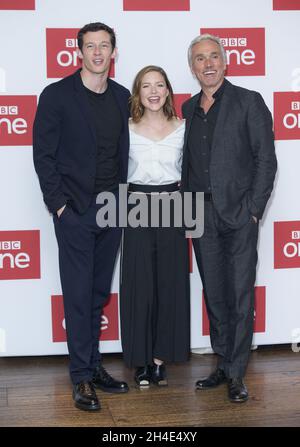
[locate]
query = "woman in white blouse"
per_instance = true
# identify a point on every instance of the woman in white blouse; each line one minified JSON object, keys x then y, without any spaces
{"x":155,"y":303}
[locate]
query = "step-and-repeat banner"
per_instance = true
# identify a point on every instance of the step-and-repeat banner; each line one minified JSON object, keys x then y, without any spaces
{"x":38,"y":46}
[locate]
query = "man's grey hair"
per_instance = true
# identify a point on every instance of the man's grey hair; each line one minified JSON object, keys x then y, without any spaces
{"x":206,"y":37}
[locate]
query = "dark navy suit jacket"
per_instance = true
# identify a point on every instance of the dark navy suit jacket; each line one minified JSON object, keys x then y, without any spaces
{"x":64,"y":143}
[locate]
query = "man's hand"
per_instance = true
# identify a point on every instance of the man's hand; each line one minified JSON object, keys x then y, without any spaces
{"x":254,"y":218}
{"x":60,"y":211}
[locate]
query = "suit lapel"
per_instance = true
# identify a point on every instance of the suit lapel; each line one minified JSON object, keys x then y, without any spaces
{"x":124,"y":139}
{"x":189,"y":117}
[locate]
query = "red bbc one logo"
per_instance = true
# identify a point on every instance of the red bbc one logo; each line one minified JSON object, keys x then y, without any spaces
{"x":20,"y":254}
{"x":109,"y":319}
{"x":245,"y":49}
{"x":279,"y":5}
{"x":62,"y":57}
{"x":286,"y":245}
{"x":259,"y":311}
{"x":156,"y":5}
{"x":16,"y":120}
{"x":287,"y":115}
{"x":17,"y":4}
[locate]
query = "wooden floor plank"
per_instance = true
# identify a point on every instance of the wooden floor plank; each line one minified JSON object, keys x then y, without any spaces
{"x":3,"y":397}
{"x":36,"y":392}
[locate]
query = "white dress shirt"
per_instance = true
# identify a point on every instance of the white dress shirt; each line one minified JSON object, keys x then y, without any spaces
{"x":155,"y":162}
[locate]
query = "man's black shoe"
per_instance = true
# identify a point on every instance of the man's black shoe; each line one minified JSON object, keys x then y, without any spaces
{"x":215,"y":379}
{"x":142,"y":376}
{"x":85,"y":397}
{"x":237,"y":390}
{"x":105,"y":382}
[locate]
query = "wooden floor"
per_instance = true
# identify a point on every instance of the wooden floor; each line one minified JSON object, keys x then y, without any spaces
{"x":35,"y":391}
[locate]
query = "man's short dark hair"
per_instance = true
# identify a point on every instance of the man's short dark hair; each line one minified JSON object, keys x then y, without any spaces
{"x":93,"y":27}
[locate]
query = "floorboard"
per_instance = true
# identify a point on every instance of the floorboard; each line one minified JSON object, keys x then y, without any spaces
{"x":36,"y":392}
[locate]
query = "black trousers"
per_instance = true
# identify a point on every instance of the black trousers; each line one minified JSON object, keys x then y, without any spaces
{"x":87,"y":256}
{"x":227,"y":260}
{"x":154,"y":295}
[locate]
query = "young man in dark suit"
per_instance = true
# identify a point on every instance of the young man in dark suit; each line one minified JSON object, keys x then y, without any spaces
{"x":80,"y":148}
{"x":229,"y":154}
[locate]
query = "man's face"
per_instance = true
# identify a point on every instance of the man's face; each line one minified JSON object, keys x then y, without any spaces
{"x":207,"y":64}
{"x":97,"y":52}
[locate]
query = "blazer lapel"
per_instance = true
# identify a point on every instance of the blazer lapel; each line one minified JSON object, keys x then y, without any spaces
{"x":189,"y":117}
{"x":124,"y":139}
{"x":185,"y":161}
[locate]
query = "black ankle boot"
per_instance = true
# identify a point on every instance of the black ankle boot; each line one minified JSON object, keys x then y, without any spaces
{"x":214,"y":379}
{"x":85,"y":396}
{"x":237,"y":390}
{"x":107,"y":383}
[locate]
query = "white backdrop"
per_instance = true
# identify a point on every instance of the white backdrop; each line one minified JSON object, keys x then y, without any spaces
{"x":31,"y":322}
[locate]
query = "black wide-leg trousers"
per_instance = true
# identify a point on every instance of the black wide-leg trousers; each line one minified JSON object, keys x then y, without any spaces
{"x":155,"y":295}
{"x":87,"y":256}
{"x":227,"y":261}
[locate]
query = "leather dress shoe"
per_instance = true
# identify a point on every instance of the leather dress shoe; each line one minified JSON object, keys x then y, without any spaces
{"x":85,"y":396}
{"x":107,"y":383}
{"x":237,"y":390}
{"x":142,"y":376}
{"x":213,"y":380}
{"x":159,"y":375}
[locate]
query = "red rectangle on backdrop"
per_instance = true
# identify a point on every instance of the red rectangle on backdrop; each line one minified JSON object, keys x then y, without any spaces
{"x":17,"y":4}
{"x":259,"y":311}
{"x":287,"y":115}
{"x":156,"y":5}
{"x":109,"y":319}
{"x":287,"y":245}
{"x":179,"y":99}
{"x":16,"y":119}
{"x":62,"y":58}
{"x":245,"y":49}
{"x":279,"y":5}
{"x":20,"y":254}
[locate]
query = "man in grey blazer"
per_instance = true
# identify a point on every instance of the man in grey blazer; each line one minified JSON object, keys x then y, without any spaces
{"x":229,"y":154}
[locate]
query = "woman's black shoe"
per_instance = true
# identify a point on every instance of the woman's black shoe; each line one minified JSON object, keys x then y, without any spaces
{"x":143,"y":376}
{"x":159,"y":375}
